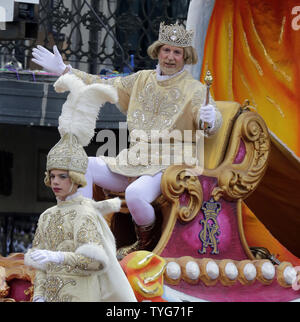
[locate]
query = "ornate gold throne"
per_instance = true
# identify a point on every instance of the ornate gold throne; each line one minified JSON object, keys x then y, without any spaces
{"x":200,"y":218}
{"x":235,"y":160}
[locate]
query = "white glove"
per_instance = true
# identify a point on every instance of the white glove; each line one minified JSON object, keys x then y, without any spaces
{"x":208,"y":114}
{"x":45,"y":256}
{"x":38,"y":298}
{"x":52,"y":63}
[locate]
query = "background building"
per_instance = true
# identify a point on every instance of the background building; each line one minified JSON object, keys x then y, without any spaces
{"x":97,"y":36}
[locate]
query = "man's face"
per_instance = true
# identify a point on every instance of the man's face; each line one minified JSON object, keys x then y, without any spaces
{"x":171,"y":59}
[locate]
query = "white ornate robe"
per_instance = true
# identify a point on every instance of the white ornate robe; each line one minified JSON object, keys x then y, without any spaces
{"x":157,"y":109}
{"x":90,"y":271}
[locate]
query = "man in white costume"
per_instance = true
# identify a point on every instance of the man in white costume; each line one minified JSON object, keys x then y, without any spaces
{"x":155,"y":101}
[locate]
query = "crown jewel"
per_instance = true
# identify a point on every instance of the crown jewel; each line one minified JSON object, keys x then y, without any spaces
{"x":175,"y":35}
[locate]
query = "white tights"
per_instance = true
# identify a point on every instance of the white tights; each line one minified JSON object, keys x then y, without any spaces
{"x":138,"y":194}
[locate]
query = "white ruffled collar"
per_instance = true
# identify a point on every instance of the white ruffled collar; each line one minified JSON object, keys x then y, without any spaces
{"x":162,"y":78}
{"x":70,"y":197}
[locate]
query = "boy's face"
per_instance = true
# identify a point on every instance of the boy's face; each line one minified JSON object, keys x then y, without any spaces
{"x":61,"y":184}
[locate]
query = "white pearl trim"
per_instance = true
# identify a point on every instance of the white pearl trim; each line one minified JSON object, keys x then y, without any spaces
{"x":231,"y":271}
{"x":192,"y":270}
{"x":250,"y":272}
{"x":212,"y":270}
{"x":268,"y":270}
{"x":208,"y":270}
{"x":289,"y":275}
{"x":173,"y":270}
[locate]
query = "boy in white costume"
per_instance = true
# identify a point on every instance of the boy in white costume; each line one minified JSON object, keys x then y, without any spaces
{"x":74,"y":251}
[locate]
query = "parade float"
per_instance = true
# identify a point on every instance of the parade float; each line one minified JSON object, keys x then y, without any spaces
{"x":229,"y":233}
{"x":202,"y":253}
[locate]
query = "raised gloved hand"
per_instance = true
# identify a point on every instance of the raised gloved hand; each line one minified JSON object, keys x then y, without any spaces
{"x":52,"y":63}
{"x":43,"y":256}
{"x":207,"y":114}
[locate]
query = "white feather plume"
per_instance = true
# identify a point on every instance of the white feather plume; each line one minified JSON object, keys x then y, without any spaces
{"x":81,"y":109}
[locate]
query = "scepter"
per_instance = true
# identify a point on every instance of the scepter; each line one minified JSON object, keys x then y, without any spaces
{"x":208,"y":81}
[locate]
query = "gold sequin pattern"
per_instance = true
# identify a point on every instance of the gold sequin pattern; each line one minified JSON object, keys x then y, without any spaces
{"x":83,"y":262}
{"x":37,"y":239}
{"x":128,"y":81}
{"x":55,"y":232}
{"x":54,"y":285}
{"x":157,"y":109}
{"x":88,"y":233}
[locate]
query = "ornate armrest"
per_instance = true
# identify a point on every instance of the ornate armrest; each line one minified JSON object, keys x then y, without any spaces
{"x":238,"y":175}
{"x":246,"y":158}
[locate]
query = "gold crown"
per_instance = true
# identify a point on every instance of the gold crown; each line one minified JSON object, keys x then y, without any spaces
{"x":67,"y":154}
{"x":175,"y":35}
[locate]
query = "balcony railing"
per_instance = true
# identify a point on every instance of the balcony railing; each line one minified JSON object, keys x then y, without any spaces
{"x":97,"y":34}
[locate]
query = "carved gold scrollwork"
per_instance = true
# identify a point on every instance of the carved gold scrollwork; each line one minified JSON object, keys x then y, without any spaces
{"x":177,"y":180}
{"x":237,"y":181}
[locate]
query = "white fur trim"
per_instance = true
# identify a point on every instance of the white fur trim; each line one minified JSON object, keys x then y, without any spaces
{"x":100,"y":93}
{"x":109,"y":206}
{"x":30,"y":262}
{"x":68,"y":82}
{"x":95,"y":252}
